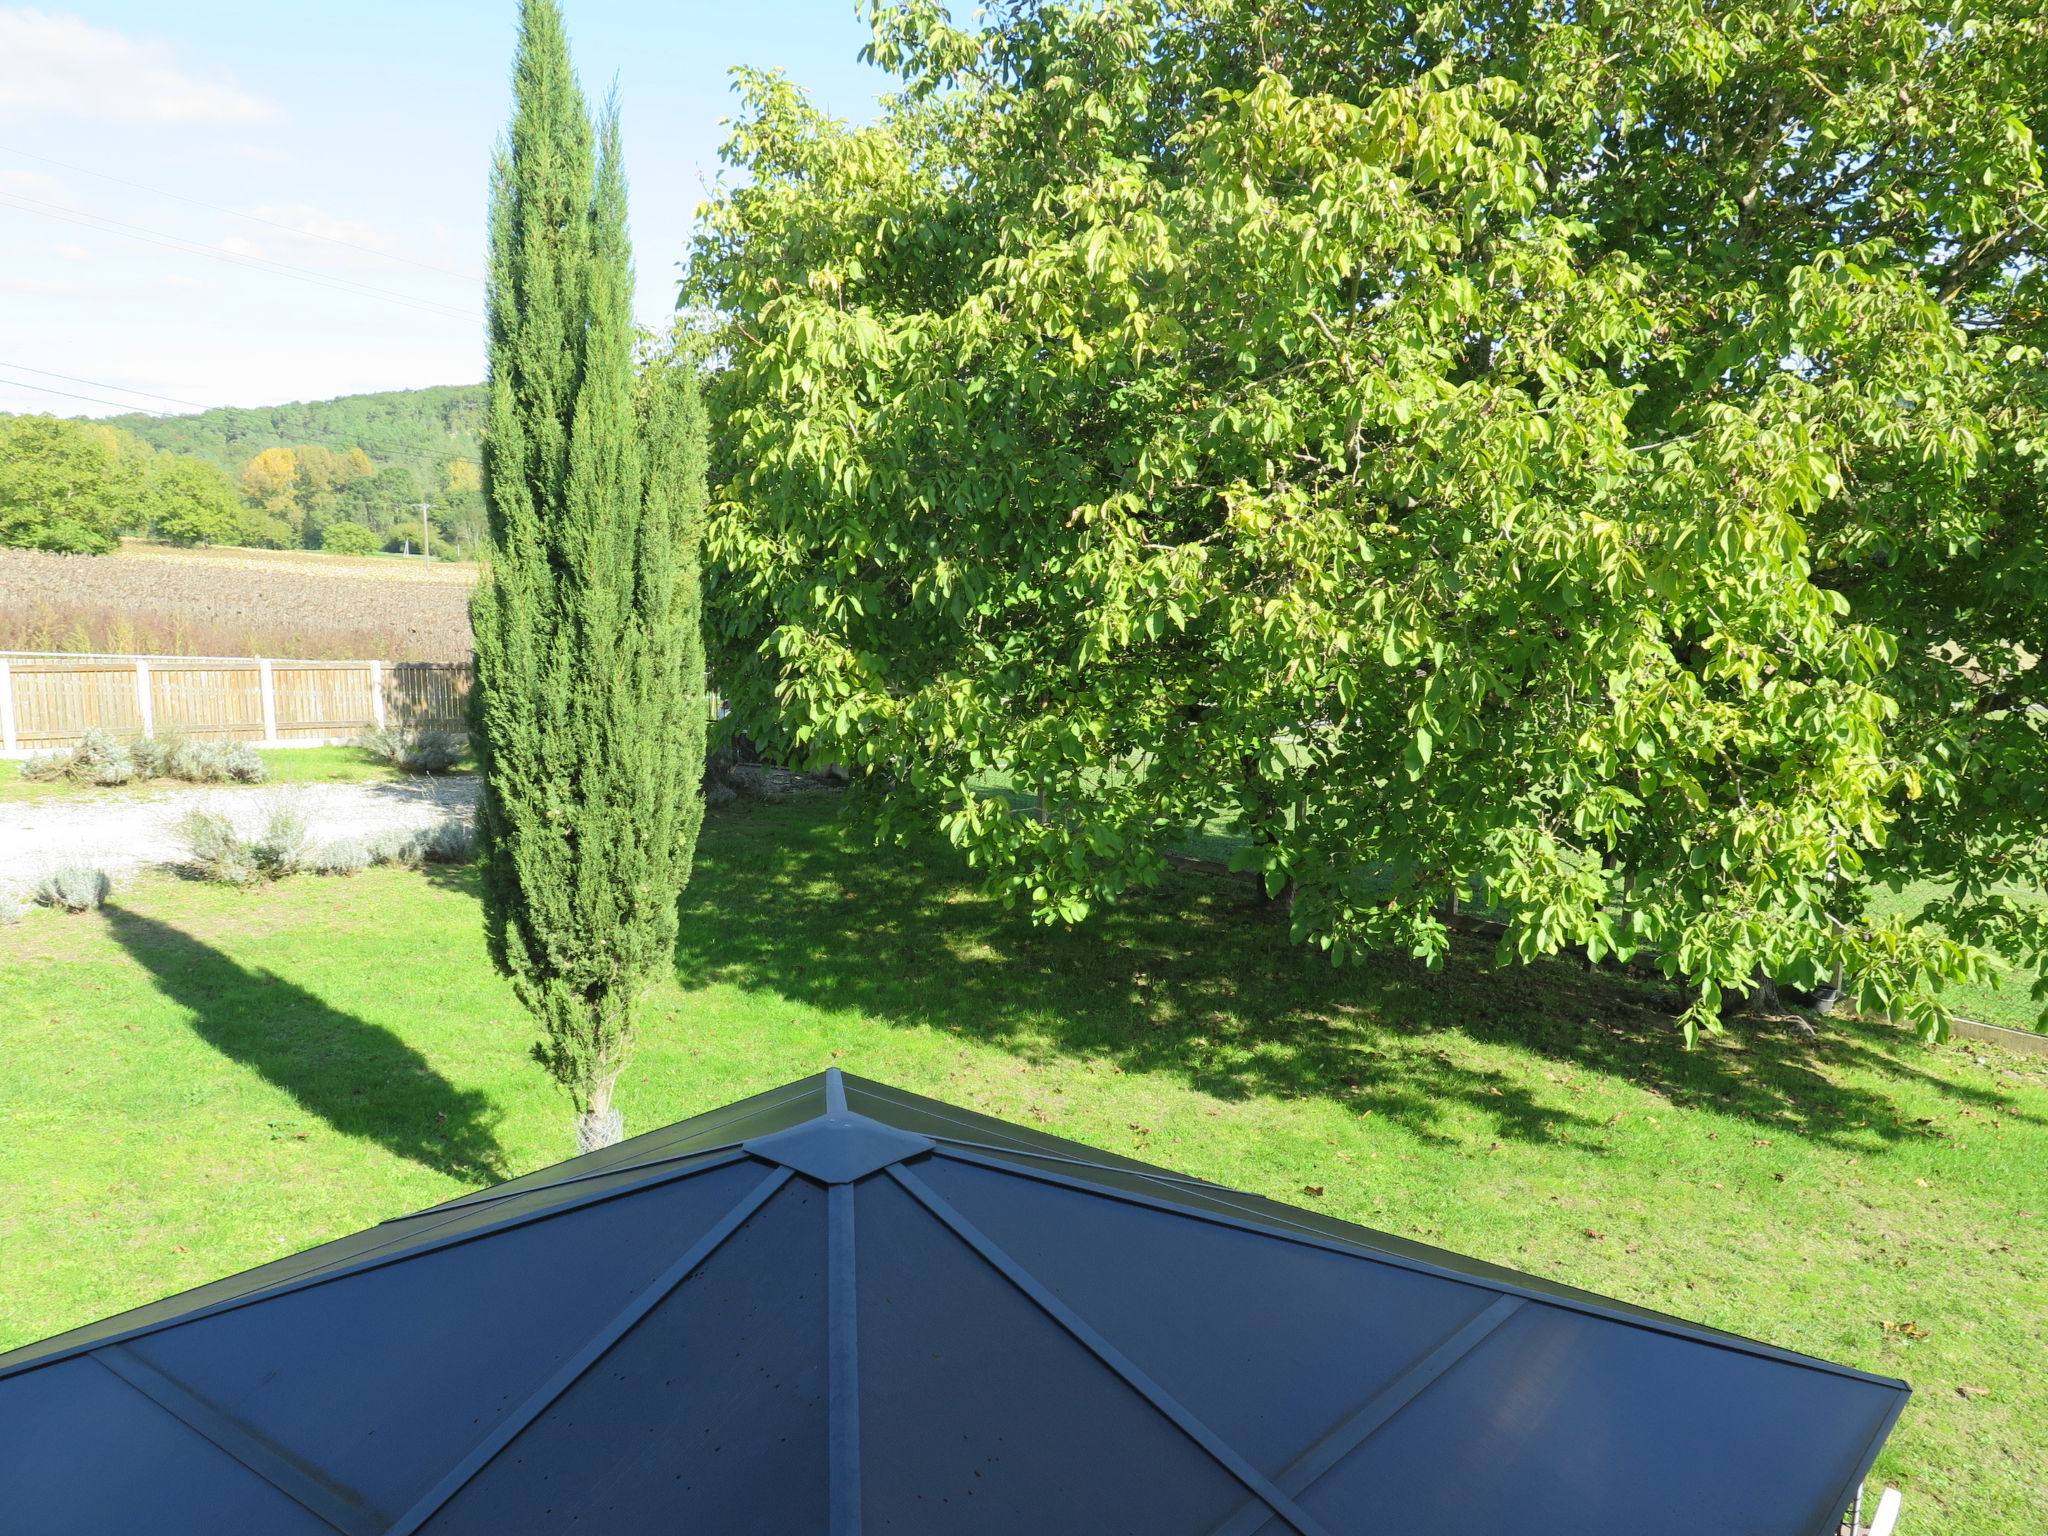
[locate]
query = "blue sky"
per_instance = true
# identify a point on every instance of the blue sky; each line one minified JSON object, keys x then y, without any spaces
{"x":299,"y":205}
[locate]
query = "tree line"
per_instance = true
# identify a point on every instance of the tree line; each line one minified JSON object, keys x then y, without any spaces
{"x":76,"y":486}
{"x":419,"y":428}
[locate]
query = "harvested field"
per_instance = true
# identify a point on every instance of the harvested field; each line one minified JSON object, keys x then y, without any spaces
{"x":156,"y":601}
{"x":310,"y":562}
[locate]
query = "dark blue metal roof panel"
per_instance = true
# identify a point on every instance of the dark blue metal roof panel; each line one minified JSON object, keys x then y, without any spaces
{"x":1273,"y":1375}
{"x":1563,"y":1425}
{"x":981,"y":1416}
{"x":709,"y":1414}
{"x":83,"y":1453}
{"x":471,"y":1329}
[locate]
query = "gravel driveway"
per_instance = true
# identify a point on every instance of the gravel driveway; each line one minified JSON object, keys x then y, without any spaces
{"x":121,"y":831}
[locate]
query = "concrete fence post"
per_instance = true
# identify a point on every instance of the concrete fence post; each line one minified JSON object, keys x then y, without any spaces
{"x":267,"y":686}
{"x":377,"y":693}
{"x":144,"y":705}
{"x":9,"y":740}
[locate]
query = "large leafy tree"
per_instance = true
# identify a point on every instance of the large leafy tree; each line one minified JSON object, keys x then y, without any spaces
{"x":67,"y":486}
{"x":1586,"y":454}
{"x":588,"y":713}
{"x":190,"y":501}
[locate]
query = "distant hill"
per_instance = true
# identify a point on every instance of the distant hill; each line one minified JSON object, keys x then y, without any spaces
{"x":419,"y":428}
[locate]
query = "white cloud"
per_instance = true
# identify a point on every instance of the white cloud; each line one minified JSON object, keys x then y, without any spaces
{"x":27,"y":181}
{"x":303,"y":236}
{"x":180,"y":280}
{"x":10,"y":284}
{"x":64,"y":66}
{"x":72,"y":252}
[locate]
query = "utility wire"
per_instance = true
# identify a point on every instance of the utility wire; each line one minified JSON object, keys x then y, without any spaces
{"x":95,"y":399}
{"x":118,"y":389}
{"x":200,"y":202}
{"x":256,"y":263}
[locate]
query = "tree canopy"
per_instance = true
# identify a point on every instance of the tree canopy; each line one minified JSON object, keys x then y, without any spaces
{"x":1585,"y":457}
{"x":192,"y":502}
{"x":70,"y":487}
{"x":417,"y":428}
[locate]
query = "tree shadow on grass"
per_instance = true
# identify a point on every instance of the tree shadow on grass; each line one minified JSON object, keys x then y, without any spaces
{"x":359,"y":1077}
{"x":1198,"y":979}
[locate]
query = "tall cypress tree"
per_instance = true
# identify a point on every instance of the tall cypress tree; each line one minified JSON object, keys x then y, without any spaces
{"x":588,"y":714}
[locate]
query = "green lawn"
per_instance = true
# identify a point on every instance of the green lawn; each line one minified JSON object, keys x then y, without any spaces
{"x":200,"y":1079}
{"x":2004,"y":1000}
{"x":288,"y":765}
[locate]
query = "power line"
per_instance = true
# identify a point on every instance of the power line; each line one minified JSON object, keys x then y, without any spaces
{"x":71,"y":395}
{"x":119,"y":389}
{"x":200,"y":202}
{"x":256,"y":263}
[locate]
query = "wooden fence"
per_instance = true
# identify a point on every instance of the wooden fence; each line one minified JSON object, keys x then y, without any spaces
{"x":49,"y":702}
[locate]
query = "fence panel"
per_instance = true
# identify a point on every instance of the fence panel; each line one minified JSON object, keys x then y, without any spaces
{"x":319,"y":700}
{"x":56,"y":702}
{"x":426,"y":695}
{"x":213,"y":700}
{"x":48,"y":703}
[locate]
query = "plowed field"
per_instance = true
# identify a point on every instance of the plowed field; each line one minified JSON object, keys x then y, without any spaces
{"x":152,"y":600}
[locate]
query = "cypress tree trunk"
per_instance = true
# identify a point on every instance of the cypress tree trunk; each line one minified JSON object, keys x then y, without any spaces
{"x":588,"y":713}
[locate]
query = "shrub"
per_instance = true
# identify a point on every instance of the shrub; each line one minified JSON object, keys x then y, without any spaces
{"x":154,"y":756}
{"x":100,"y":758}
{"x":75,"y":888}
{"x":449,"y":842}
{"x":393,"y":848}
{"x":285,"y":845}
{"x":219,"y":852}
{"x":349,"y":539}
{"x":45,"y":767}
{"x":416,"y":751}
{"x":452,"y":841}
{"x":219,"y":762}
{"x":348,"y":856}
{"x":216,"y":849}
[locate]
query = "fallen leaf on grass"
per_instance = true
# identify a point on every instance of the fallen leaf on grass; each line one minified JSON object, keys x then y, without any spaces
{"x":1598,"y":1237}
{"x":1906,"y":1330}
{"x":1969,"y":1392}
{"x":1312,"y":1189}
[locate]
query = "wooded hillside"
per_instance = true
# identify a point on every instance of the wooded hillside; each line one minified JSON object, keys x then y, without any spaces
{"x":418,"y":428}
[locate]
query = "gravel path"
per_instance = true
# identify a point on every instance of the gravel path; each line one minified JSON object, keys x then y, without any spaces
{"x":120,"y":832}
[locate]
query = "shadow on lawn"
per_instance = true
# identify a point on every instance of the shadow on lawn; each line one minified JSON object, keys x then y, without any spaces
{"x":1198,"y":979}
{"x":357,"y":1076}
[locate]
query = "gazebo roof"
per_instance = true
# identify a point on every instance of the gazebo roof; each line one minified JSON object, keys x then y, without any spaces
{"x":838,"y":1307}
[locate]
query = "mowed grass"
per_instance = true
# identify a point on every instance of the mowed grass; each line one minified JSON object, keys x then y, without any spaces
{"x":2007,"y":996}
{"x":199,"y":1079}
{"x":288,"y":765}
